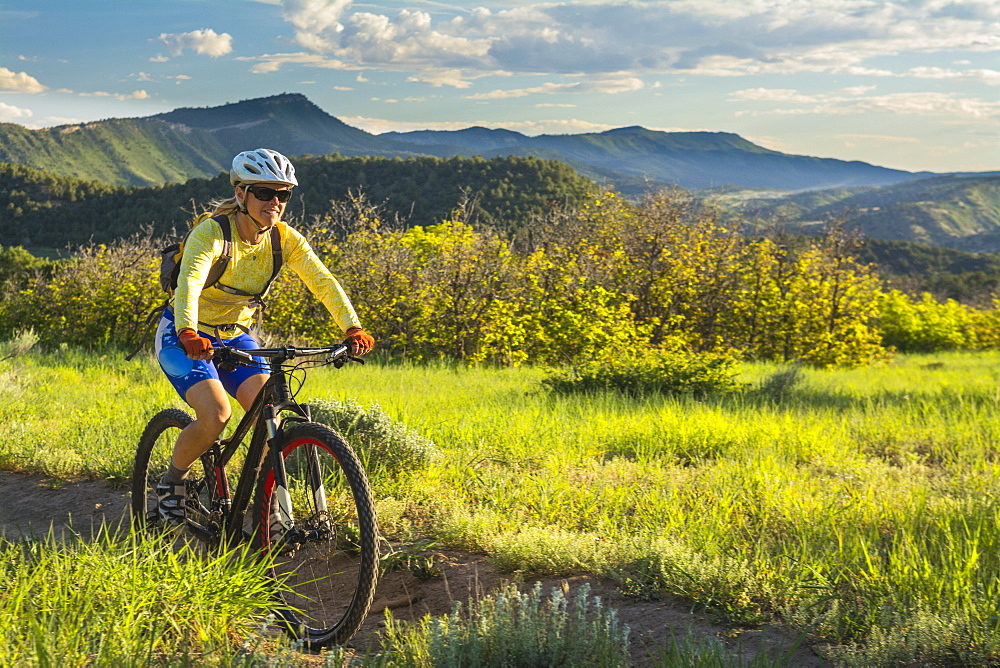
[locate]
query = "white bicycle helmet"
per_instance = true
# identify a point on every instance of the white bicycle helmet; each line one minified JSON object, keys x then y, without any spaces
{"x":262,"y":165}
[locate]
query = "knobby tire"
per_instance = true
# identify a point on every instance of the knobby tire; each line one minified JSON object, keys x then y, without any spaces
{"x":326,"y":585}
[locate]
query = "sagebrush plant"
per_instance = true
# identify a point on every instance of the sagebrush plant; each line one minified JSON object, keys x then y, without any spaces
{"x":385,"y":446}
{"x":652,"y":371}
{"x":779,"y":385}
{"x":511,"y":628}
{"x":22,"y":341}
{"x":720,"y":584}
{"x":693,"y":649}
{"x":925,"y":637}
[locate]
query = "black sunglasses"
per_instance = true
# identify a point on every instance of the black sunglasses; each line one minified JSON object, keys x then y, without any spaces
{"x":265,"y":194}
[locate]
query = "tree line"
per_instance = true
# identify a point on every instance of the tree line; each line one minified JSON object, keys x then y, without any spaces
{"x":44,"y":210}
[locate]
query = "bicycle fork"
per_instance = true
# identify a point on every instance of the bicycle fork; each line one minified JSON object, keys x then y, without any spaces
{"x":280,"y":494}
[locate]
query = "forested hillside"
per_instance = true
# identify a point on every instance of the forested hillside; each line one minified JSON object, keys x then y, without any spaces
{"x":116,"y":151}
{"x":958,"y":210}
{"x":43,"y":210}
{"x":946,"y":273}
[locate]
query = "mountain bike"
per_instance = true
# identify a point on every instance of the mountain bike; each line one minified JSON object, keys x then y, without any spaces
{"x":312,"y":513}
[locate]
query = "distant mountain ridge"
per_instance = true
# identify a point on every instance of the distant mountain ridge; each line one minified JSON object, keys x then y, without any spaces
{"x":694,"y":160}
{"x":199,"y":142}
{"x":288,"y":120}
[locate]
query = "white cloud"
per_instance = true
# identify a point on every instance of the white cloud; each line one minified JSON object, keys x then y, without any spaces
{"x":314,"y":20}
{"x":854,"y":101}
{"x":135,"y":95}
{"x":272,"y":62}
{"x":984,"y":76}
{"x":557,"y":127}
{"x":438,"y":78}
{"x":697,"y":37}
{"x":771,"y":95}
{"x":880,"y":138}
{"x":205,"y":42}
{"x":19,"y":82}
{"x":11,"y":114}
{"x":607,"y":86}
{"x":567,"y":126}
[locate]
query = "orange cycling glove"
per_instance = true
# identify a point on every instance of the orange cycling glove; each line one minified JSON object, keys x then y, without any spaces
{"x":196,"y":346}
{"x":360,"y":341}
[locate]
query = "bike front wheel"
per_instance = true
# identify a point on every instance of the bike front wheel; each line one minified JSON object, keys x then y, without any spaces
{"x":325,"y":561}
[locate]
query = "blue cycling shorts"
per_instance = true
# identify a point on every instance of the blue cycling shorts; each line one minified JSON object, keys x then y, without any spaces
{"x":184,"y":372}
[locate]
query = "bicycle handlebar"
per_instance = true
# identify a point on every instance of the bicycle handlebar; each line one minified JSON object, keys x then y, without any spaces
{"x":245,"y":356}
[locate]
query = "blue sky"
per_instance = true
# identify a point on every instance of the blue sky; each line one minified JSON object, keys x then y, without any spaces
{"x":908,"y":84}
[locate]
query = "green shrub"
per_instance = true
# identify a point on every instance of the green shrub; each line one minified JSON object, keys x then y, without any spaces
{"x":515,"y":629}
{"x":384,"y":446}
{"x":93,"y":298}
{"x":653,"y":371}
{"x":18,"y":266}
{"x":924,"y":325}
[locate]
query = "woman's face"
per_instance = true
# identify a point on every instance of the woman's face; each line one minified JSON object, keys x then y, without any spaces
{"x":266,"y":211}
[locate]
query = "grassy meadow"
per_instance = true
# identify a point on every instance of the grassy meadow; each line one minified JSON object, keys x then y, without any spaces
{"x":859,"y":505}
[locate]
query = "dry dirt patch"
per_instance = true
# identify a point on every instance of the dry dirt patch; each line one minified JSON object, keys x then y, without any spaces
{"x":32,"y":505}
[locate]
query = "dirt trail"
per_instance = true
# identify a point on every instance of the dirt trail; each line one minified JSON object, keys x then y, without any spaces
{"x":34,"y":505}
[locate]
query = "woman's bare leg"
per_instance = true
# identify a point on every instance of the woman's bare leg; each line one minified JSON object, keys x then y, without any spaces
{"x":212,"y":411}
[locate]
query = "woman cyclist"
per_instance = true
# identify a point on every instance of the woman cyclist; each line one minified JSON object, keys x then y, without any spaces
{"x":199,"y":318}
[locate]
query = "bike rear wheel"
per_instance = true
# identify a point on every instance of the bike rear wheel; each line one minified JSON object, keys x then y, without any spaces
{"x":326,"y":563}
{"x":151,"y":461}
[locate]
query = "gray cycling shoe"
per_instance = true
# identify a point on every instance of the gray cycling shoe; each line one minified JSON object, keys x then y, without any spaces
{"x":171,"y":502}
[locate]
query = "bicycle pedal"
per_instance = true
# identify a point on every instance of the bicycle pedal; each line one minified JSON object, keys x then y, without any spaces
{"x":202,"y":533}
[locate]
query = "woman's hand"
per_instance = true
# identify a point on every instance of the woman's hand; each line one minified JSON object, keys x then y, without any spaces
{"x":359,"y":340}
{"x":196,"y":346}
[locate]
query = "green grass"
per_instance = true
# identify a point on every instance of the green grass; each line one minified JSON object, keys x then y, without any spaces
{"x":126,"y":601}
{"x":860,"y":504}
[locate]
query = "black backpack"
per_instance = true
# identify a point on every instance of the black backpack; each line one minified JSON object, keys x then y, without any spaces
{"x":170,"y":267}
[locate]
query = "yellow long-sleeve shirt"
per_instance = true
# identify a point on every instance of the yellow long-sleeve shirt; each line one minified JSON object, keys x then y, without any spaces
{"x":249,"y":270}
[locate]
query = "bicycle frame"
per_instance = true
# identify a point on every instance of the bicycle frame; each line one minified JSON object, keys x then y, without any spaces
{"x":265,"y":420}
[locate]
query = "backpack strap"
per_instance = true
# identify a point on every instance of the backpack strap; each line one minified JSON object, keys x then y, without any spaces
{"x":276,"y":254}
{"x":219,"y":267}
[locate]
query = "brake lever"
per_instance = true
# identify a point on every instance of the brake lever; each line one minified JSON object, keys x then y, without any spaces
{"x":341,"y":361}
{"x":224,"y":360}
{"x":228,"y":359}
